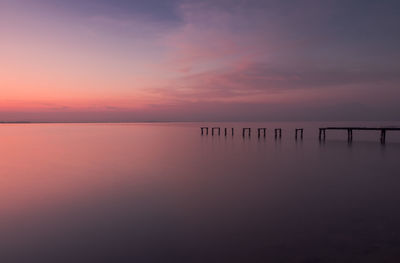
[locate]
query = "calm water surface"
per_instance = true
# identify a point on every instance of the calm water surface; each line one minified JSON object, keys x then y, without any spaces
{"x":164,"y":193}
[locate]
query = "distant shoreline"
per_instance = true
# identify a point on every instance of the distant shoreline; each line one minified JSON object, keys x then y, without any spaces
{"x":14,"y":122}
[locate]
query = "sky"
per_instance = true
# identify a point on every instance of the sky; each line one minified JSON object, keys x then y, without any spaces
{"x":212,"y":60}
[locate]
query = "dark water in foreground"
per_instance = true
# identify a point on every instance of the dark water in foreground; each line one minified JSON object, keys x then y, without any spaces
{"x":164,"y":193}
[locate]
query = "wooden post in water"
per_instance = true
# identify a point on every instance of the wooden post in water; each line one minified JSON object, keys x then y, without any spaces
{"x":322,"y":134}
{"x":301,"y":133}
{"x":350,"y":130}
{"x":244,"y":131}
{"x":383,"y":136}
{"x":232,"y":131}
{"x":225,"y":132}
{"x":349,"y":135}
{"x":212,"y":130}
{"x":261,"y":129}
{"x":276,"y":133}
{"x":204,"y":128}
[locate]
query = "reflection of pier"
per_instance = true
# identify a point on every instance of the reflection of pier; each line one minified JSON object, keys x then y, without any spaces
{"x":383,"y":130}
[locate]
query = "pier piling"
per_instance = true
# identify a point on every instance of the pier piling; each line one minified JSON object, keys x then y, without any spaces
{"x":202,"y":130}
{"x":350,"y":130}
{"x":301,"y":133}
{"x":216,"y":128}
{"x":350,"y":135}
{"x":383,"y":136}
{"x":244,"y":131}
{"x":321,"y":135}
{"x":278,"y":133}
{"x":261,"y":129}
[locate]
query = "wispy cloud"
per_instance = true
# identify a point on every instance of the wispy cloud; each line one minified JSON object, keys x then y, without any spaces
{"x":184,"y":57}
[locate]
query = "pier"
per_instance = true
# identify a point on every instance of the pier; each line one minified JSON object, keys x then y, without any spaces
{"x":226,"y":131}
{"x":278,"y":133}
{"x":244,"y":131}
{"x":383,"y":130}
{"x":301,"y":133}
{"x":215,"y":128}
{"x":202,"y":130}
{"x":261,"y":129}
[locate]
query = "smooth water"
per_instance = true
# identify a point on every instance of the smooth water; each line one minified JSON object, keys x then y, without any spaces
{"x":164,"y":193}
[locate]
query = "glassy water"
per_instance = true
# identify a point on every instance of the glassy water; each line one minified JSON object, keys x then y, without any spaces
{"x":164,"y":193}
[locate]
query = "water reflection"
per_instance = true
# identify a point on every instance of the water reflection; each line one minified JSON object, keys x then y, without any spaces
{"x":164,"y":193}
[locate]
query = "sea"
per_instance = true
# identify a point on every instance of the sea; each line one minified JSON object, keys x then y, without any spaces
{"x":163,"y":192}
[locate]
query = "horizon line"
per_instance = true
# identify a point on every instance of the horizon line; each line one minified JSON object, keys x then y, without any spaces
{"x":181,"y":121}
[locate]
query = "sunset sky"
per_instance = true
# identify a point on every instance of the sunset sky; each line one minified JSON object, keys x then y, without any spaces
{"x":214,"y":60}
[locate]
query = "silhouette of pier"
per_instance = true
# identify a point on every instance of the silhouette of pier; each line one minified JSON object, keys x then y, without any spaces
{"x":383,"y":130}
{"x":300,"y":131}
{"x":244,"y":131}
{"x":215,"y":128}
{"x":202,"y":130}
{"x":278,"y":133}
{"x":261,"y":129}
{"x":226,"y":131}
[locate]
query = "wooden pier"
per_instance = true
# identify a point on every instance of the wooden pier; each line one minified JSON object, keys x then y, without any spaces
{"x":278,"y":132}
{"x":321,"y":136}
{"x":244,"y":131}
{"x":226,"y":131}
{"x":202,"y":130}
{"x":261,"y":129}
{"x":383,"y":130}
{"x":215,"y":128}
{"x":301,"y":133}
